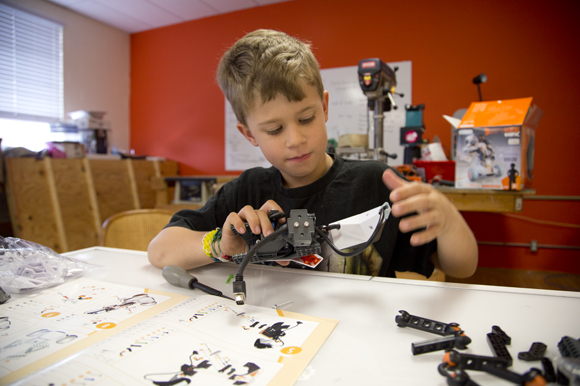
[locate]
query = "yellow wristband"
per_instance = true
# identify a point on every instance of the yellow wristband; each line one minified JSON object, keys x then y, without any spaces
{"x":207,"y":238}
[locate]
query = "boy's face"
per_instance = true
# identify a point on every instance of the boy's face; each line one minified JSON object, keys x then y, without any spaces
{"x":292,"y":136}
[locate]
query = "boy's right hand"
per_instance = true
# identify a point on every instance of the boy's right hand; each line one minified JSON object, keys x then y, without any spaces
{"x":257,"y":219}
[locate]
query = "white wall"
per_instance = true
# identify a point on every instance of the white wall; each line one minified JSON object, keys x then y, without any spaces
{"x":96,"y":66}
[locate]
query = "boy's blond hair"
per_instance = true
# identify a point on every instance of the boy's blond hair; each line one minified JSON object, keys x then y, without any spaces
{"x":264,"y":63}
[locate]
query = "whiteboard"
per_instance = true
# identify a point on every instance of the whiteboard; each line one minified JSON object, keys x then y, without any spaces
{"x":240,"y":153}
{"x":347,"y":114}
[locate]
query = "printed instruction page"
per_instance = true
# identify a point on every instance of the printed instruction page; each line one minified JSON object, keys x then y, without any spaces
{"x":89,"y":332}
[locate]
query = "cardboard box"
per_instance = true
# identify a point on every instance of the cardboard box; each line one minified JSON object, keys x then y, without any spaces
{"x":85,"y":123}
{"x":495,"y":145}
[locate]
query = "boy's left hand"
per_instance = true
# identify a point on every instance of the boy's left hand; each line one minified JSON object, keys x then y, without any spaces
{"x":428,"y":208}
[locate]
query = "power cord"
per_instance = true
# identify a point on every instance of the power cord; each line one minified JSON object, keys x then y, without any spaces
{"x":239,"y":283}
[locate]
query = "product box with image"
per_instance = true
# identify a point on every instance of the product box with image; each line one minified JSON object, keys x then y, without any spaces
{"x":495,"y":145}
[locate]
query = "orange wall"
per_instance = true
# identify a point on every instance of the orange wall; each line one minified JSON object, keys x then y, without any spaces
{"x":526,"y":48}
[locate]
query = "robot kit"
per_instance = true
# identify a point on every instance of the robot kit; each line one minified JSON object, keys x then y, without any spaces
{"x":495,"y":145}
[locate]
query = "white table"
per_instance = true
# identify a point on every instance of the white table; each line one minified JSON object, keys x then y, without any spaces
{"x":367,"y":347}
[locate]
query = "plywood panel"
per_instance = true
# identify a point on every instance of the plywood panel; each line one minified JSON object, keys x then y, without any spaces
{"x":167,"y":169}
{"x":144,"y":171}
{"x":30,"y":203}
{"x":132,"y":185}
{"x":112,"y":186}
{"x":75,"y":203}
{"x":61,"y":203}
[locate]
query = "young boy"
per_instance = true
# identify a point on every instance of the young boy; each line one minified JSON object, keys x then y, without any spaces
{"x":273,"y":83}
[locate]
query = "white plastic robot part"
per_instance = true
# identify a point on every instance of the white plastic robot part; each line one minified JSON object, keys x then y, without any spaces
{"x":357,"y":229}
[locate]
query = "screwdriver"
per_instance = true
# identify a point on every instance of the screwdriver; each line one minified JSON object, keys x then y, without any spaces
{"x":179,"y":277}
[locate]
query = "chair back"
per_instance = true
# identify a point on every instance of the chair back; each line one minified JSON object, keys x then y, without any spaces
{"x":437,"y":275}
{"x":133,"y":229}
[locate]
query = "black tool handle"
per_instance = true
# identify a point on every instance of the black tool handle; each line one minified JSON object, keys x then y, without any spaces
{"x":208,"y":290}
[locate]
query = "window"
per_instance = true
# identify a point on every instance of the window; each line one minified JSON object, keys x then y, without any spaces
{"x":31,"y":78}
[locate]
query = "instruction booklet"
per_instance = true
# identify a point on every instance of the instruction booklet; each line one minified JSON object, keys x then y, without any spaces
{"x":90,"y":332}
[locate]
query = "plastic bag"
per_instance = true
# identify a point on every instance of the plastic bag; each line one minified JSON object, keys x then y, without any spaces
{"x":28,"y":266}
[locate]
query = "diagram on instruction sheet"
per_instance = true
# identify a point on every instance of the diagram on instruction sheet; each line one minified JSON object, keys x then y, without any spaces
{"x":202,"y":341}
{"x":32,"y":328}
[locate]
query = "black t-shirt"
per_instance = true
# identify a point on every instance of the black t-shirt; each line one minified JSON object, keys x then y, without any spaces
{"x":348,"y":188}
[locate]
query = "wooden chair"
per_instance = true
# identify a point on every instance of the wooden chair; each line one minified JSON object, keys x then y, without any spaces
{"x":133,"y":229}
{"x":436,"y":276}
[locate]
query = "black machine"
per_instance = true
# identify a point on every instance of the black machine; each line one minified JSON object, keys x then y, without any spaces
{"x":378,"y":82}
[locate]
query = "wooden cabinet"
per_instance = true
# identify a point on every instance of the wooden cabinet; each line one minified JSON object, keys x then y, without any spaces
{"x":61,"y":203}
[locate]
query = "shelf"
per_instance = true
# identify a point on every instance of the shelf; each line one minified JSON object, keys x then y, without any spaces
{"x":485,"y":200}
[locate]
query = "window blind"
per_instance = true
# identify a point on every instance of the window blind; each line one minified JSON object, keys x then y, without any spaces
{"x":31,"y":79}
